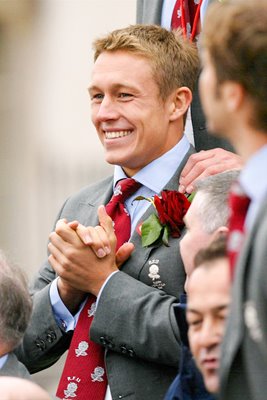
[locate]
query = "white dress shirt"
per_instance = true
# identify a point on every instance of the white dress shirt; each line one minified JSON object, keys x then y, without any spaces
{"x":3,"y":360}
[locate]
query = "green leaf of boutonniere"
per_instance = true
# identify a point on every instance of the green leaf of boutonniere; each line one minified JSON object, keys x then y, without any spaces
{"x":151,"y":230}
{"x":165,"y":236}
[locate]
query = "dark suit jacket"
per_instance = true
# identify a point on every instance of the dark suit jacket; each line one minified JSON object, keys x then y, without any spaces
{"x":244,"y":351}
{"x":134,"y":321}
{"x":13,"y":367}
{"x":149,"y":12}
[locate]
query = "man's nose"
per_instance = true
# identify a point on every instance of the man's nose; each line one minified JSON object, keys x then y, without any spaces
{"x":209,"y":334}
{"x":108,"y":110}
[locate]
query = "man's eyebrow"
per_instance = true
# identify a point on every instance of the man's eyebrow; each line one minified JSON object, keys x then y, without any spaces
{"x":213,"y":309}
{"x":115,"y":86}
{"x":92,"y":88}
{"x":192,"y":310}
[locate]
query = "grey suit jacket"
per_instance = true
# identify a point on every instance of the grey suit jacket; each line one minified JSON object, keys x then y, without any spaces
{"x":149,"y":12}
{"x":134,"y":321}
{"x":13,"y":367}
{"x":244,"y":352}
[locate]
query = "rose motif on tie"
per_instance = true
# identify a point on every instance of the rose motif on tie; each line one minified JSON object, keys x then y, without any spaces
{"x":171,"y":207}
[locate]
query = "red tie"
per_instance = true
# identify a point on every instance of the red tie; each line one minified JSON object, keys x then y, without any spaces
{"x":117,"y":211}
{"x":238,"y":204}
{"x":186,"y":15}
{"x":84,"y":376}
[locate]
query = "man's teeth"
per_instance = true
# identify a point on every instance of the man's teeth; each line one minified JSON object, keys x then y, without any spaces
{"x":117,"y":134}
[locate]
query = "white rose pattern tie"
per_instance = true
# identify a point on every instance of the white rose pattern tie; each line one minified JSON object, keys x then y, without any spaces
{"x":84,"y":375}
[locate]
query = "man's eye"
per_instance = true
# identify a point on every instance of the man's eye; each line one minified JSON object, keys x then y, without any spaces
{"x":125,"y":95}
{"x":194,"y":323}
{"x":97,"y":96}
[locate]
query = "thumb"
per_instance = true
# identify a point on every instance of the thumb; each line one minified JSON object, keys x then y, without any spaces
{"x":104,"y":220}
{"x":123,"y":253}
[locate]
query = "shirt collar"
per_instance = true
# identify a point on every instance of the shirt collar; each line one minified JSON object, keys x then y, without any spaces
{"x":3,"y":360}
{"x":157,"y":174}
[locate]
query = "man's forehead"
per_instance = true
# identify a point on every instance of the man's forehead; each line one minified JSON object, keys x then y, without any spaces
{"x":209,"y":282}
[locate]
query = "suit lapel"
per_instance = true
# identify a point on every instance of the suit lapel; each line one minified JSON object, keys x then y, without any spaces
{"x":101,"y":194}
{"x":242,"y":267}
{"x":131,"y":265}
{"x":235,"y":331}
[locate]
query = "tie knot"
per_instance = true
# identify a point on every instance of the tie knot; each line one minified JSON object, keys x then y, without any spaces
{"x":125,"y":188}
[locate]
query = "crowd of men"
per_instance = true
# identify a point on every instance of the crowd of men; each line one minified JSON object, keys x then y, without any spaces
{"x":182,"y":316}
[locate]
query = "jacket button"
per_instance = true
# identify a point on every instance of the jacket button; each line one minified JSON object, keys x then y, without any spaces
{"x":131,"y":353}
{"x":103,"y":340}
{"x":51,"y":336}
{"x":40,"y":344}
{"x":123,"y":349}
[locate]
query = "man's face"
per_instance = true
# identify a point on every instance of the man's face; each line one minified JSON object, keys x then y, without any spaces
{"x":195,"y":237}
{"x":130,"y":117}
{"x":207,"y":308}
{"x":211,"y":98}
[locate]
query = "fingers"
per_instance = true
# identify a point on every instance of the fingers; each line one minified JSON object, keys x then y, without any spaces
{"x":193,"y":169}
{"x":124,"y":253}
{"x":96,"y":238}
{"x":101,"y":239}
{"x":73,"y":225}
{"x":206,"y":163}
{"x":105,"y":221}
{"x":64,"y":230}
{"x":107,"y":224}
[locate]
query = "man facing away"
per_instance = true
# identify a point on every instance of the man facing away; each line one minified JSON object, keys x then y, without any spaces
{"x":233,"y":87}
{"x":218,"y":155}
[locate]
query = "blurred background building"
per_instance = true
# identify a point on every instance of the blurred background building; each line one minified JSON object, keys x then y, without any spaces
{"x":48,"y":146}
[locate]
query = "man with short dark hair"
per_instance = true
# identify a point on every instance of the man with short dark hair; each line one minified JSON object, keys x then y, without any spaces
{"x":208,"y":299}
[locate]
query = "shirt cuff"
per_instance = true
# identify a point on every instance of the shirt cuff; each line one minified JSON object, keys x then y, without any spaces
{"x":65,"y":320}
{"x":102,"y":287}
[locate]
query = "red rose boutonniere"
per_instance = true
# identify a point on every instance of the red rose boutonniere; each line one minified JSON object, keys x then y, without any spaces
{"x":171,"y":207}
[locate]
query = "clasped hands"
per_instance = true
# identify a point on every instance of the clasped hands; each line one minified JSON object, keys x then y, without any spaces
{"x":84,"y":257}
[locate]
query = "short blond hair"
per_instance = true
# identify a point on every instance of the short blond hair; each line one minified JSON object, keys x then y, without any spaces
{"x":174,"y":60}
{"x":235,"y":37}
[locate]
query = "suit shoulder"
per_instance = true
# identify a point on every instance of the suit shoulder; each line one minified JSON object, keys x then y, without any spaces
{"x":91,"y":191}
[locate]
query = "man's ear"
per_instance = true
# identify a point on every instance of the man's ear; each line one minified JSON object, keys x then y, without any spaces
{"x":180,"y":100}
{"x":233,"y":94}
{"x":221,"y":231}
